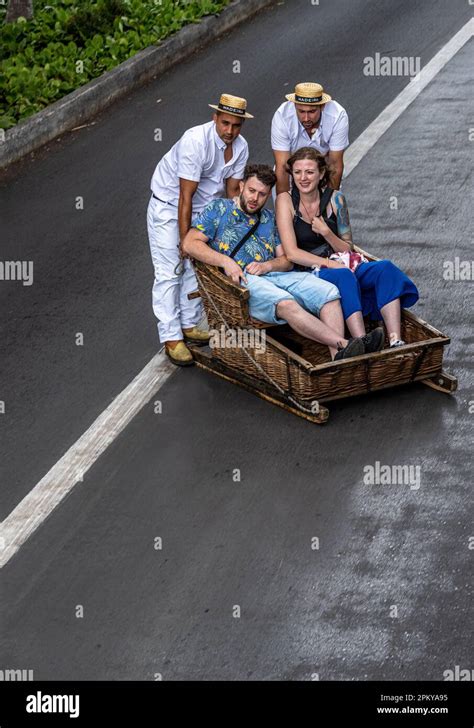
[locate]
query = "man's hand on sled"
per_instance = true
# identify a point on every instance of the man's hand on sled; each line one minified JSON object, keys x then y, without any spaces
{"x":258,"y":269}
{"x":234,"y":271}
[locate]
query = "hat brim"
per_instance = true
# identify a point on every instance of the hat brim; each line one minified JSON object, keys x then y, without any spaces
{"x":325,"y":99}
{"x":239,"y":116}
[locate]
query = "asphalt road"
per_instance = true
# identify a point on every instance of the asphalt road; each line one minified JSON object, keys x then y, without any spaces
{"x":170,"y":611}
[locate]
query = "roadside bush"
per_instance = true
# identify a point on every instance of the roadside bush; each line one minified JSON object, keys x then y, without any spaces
{"x":69,"y":42}
{"x":89,"y":20}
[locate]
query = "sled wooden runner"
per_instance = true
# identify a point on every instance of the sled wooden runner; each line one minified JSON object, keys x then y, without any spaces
{"x":296,"y":373}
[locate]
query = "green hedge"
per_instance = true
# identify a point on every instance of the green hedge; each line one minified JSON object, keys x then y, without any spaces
{"x":69,"y":42}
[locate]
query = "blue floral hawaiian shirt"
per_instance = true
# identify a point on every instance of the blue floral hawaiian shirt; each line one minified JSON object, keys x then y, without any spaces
{"x":225,"y":225}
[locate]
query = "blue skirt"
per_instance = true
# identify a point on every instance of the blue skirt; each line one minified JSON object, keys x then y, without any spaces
{"x":371,"y":287}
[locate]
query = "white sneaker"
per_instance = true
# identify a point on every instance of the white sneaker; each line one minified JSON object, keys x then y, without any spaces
{"x":398,"y":342}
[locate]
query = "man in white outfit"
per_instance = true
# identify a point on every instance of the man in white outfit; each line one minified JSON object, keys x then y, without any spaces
{"x":206,"y":163}
{"x":310,"y":118}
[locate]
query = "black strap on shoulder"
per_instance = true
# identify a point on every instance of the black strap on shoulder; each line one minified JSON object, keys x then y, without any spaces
{"x":246,"y":237}
{"x":295,"y":198}
{"x":324,"y":201}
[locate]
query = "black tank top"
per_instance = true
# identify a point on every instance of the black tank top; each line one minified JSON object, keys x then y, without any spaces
{"x":306,"y":238}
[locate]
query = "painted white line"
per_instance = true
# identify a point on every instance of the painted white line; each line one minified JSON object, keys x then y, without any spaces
{"x":59,"y":481}
{"x":71,"y":468}
{"x":364,"y":143}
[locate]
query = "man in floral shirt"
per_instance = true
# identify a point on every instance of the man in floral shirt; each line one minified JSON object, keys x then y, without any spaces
{"x":278,"y":295}
{"x":226,"y":223}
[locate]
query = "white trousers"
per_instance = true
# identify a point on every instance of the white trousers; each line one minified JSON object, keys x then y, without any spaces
{"x":171,"y":304}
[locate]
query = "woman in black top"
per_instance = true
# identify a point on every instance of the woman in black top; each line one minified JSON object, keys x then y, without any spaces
{"x":313,"y":223}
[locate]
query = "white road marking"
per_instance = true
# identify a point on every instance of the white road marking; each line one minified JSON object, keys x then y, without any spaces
{"x":364,"y":143}
{"x":71,"y":468}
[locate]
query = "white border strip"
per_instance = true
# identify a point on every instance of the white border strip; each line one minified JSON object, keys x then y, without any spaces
{"x":364,"y":143}
{"x":71,"y":468}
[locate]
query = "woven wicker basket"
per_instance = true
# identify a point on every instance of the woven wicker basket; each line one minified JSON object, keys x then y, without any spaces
{"x":300,"y":369}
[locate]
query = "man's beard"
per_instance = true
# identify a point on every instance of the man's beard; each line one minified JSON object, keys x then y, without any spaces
{"x":313,"y":125}
{"x":245,"y":209}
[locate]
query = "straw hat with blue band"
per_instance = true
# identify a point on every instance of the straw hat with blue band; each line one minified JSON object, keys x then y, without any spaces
{"x":232,"y":105}
{"x":309,"y":93}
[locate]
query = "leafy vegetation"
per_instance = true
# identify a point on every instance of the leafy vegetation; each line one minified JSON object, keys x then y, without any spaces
{"x":70,"y":42}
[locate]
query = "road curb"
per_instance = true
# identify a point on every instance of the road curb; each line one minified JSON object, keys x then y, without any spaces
{"x":85,"y":102}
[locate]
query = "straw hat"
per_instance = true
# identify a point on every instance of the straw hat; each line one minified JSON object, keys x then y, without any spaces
{"x":309,"y":93}
{"x":232,"y":105}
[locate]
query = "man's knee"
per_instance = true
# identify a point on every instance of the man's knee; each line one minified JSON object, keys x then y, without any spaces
{"x":327,"y":292}
{"x":332,"y":303}
{"x":287,"y":307}
{"x":332,"y":291}
{"x":317,"y":292}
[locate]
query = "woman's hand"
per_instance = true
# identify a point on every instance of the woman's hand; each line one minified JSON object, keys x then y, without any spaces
{"x":335,"y":264}
{"x":319,"y":226}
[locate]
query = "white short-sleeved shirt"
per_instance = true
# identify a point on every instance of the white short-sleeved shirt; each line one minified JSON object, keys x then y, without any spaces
{"x":289,"y":134}
{"x":199,"y":157}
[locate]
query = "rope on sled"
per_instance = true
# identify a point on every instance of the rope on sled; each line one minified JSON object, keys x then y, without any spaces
{"x":302,"y":408}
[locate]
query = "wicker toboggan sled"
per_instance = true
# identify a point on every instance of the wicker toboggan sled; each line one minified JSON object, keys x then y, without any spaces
{"x":297,"y":373}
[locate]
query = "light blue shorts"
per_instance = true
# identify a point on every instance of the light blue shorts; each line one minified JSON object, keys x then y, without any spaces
{"x":268,"y":290}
